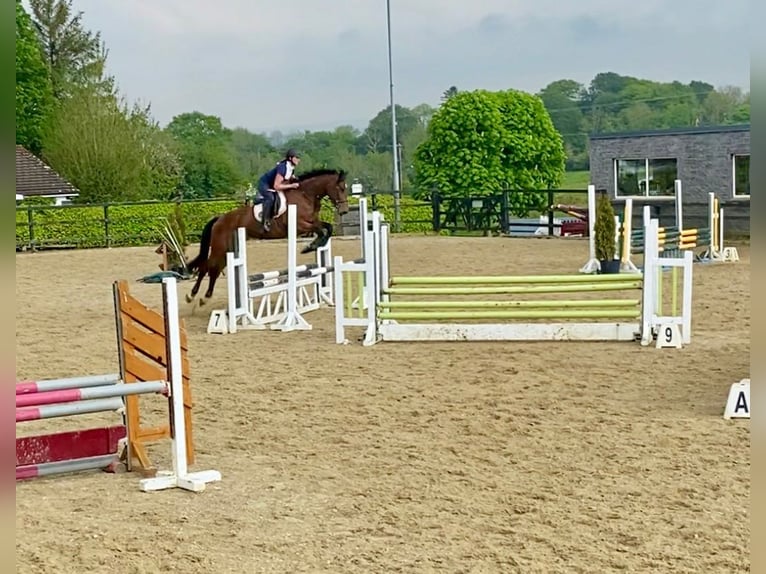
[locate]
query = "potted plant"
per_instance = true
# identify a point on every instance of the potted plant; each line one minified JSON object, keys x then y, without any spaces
{"x":604,"y":230}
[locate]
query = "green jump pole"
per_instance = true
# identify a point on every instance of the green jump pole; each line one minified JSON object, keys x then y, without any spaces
{"x":589,"y":303}
{"x":348,"y":294}
{"x":553,"y":314}
{"x":674,"y":292}
{"x":516,"y":279}
{"x":502,"y":290}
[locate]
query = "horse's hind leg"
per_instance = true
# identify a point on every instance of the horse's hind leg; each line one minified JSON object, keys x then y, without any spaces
{"x":212,"y":274}
{"x":200,"y":276}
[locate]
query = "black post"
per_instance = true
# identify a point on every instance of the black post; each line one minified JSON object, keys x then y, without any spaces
{"x":550,"y":212}
{"x":436,"y":211}
{"x":505,"y":218}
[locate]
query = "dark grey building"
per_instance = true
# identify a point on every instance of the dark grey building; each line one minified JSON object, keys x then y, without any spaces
{"x":644,"y":166}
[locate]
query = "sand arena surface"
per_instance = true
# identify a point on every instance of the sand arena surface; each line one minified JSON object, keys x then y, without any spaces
{"x":449,"y":457}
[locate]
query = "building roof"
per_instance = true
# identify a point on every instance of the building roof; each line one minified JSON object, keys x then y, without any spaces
{"x":673,"y":132}
{"x":35,"y":178}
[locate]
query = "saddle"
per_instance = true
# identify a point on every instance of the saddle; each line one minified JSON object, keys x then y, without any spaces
{"x":280,"y":206}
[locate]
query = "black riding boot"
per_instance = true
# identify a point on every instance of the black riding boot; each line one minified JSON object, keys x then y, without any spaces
{"x":267,"y":212}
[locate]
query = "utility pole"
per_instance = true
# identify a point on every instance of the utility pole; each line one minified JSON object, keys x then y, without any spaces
{"x":394,"y":143}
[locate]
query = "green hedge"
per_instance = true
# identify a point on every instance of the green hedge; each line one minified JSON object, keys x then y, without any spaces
{"x":416,"y":215}
{"x":117,"y":225}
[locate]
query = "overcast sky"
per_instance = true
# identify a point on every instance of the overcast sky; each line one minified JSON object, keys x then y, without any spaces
{"x":318,"y":64}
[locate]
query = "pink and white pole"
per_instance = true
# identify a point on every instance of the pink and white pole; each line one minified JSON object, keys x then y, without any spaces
{"x":27,"y":387}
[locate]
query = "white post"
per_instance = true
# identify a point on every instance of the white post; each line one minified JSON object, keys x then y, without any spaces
{"x":292,"y":320}
{"x":180,"y":476}
{"x":323,"y":286}
{"x":383,"y":262}
{"x":592,"y":265}
{"x":239,"y":304}
{"x":363,"y":224}
{"x":686,"y":305}
{"x":340,"y":300}
{"x":651,"y":275}
{"x":679,"y":207}
{"x":372,"y":280}
{"x":231,"y":292}
{"x":363,"y":221}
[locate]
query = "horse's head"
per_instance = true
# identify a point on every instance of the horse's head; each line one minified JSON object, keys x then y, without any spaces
{"x":327,"y":182}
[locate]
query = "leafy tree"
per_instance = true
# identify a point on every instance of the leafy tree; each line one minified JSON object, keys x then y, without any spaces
{"x":324,"y":149}
{"x":209,"y":167}
{"x":378,"y":137}
{"x":424,"y":113}
{"x":75,"y":57}
{"x":726,"y":106}
{"x":563,"y":100}
{"x":34,"y":95}
{"x":482,"y":142}
{"x":700,"y":90}
{"x":449,"y":93}
{"x":372,"y":170}
{"x":252,"y":152}
{"x":110,"y":151}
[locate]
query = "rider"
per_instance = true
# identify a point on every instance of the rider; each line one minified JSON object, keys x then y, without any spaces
{"x":276,"y":179}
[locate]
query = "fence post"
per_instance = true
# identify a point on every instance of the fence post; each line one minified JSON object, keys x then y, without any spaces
{"x":550,"y":212}
{"x":106,"y":225}
{"x":31,"y":225}
{"x":504,"y":216}
{"x":436,"y":211}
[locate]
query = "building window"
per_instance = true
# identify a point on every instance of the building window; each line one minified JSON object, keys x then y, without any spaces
{"x":645,"y":177}
{"x":741,"y":175}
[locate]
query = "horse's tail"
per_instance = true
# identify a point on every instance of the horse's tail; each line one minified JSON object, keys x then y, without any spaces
{"x":204,"y":246}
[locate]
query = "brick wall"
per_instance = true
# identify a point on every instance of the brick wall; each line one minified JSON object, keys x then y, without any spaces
{"x":704,"y":165}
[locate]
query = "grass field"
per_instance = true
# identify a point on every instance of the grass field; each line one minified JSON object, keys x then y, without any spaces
{"x":575,"y":180}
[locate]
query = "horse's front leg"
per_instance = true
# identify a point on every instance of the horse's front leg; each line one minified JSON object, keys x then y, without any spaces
{"x":323,"y":231}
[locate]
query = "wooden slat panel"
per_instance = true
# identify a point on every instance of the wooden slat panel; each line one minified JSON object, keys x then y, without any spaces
{"x":152,"y":345}
{"x":153,"y":434}
{"x":144,"y":353}
{"x":149,"y":318}
{"x":141,"y":369}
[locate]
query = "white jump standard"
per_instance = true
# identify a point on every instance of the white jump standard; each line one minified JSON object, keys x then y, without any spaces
{"x":390,"y":319}
{"x":274,"y":299}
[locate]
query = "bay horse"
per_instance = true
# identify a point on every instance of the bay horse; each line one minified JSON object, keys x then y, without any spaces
{"x":218,"y":233}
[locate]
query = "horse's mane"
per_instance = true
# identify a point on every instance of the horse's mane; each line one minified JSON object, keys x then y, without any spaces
{"x":318,"y":172}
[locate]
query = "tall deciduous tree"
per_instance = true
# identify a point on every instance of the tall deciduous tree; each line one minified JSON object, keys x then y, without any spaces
{"x":563,"y":99}
{"x":482,"y":142}
{"x":252,"y":152}
{"x":378,"y":137}
{"x":110,"y":151}
{"x":207,"y":156}
{"x":34,"y":96}
{"x":75,"y":56}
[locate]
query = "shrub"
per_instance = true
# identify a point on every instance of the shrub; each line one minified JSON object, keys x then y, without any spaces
{"x":604,"y":228}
